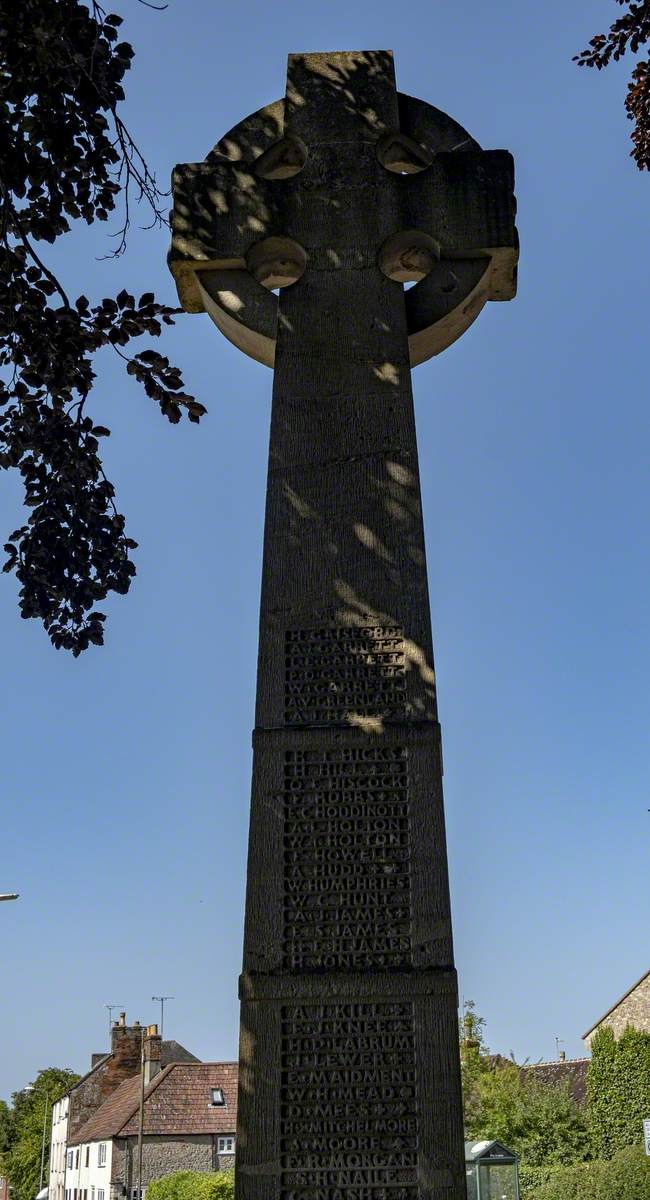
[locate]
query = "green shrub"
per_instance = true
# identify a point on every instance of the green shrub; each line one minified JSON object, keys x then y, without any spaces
{"x":193,"y":1185}
{"x":532,"y":1178}
{"x":618,"y":1087}
{"x":539,"y":1121}
{"x":626,"y":1176}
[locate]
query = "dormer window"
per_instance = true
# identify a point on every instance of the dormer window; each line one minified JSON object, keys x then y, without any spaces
{"x":218,"y":1099}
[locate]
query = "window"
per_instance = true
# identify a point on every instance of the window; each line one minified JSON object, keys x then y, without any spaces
{"x":100,"y":1194}
{"x":76,"y":1158}
{"x":218,"y":1097}
{"x":226,"y":1145}
{"x":87,"y":1162}
{"x":70,"y":1157}
{"x":101,"y":1154}
{"x":138,"y":1193}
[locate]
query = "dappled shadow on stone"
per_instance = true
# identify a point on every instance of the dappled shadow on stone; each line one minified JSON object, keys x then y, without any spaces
{"x":338,"y":197}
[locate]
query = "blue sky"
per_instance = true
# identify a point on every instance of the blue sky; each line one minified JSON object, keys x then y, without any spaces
{"x":127,"y":771}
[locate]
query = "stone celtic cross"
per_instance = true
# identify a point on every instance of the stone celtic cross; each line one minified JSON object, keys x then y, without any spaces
{"x":297,"y":234}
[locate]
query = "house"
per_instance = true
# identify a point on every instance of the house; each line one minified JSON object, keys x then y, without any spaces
{"x":633,"y":1008}
{"x":108,"y":1070}
{"x":571,"y":1071}
{"x":189,"y":1121}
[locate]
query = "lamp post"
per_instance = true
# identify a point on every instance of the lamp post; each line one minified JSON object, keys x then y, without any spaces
{"x":147,"y":1031}
{"x":9,"y":895}
{"x":43,"y":1092}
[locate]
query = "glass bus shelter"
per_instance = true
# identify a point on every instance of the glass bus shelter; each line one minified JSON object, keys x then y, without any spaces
{"x":492,"y":1172}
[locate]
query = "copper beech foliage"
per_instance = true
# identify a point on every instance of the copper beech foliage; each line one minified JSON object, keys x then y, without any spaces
{"x":66,"y":155}
{"x":629,"y":32}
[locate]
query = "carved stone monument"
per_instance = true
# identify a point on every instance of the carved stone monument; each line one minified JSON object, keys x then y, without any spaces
{"x":335,"y":197}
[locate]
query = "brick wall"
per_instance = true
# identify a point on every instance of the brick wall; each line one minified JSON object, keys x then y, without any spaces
{"x":633,"y":1010}
{"x":124,"y":1061}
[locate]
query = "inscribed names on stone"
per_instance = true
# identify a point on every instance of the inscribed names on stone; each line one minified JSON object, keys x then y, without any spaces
{"x":347,"y":886}
{"x":348,"y":1101}
{"x":333,"y":673}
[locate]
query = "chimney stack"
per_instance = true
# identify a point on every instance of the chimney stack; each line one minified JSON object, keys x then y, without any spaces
{"x":126,"y":1045}
{"x":123,"y":1061}
{"x":151,"y":1052}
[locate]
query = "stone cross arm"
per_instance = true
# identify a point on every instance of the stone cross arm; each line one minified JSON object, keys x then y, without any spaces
{"x":349,"y":173}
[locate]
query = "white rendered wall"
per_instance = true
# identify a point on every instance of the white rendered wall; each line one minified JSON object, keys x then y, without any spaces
{"x":58,"y":1149}
{"x":92,"y":1178}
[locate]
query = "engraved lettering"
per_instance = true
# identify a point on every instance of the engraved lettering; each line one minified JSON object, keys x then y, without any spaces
{"x":332,"y":674}
{"x":347,"y":888}
{"x":348,"y":1102}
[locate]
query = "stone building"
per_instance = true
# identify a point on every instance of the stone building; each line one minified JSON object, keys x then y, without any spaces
{"x":189,"y":1122}
{"x":108,"y":1070}
{"x":633,"y":1008}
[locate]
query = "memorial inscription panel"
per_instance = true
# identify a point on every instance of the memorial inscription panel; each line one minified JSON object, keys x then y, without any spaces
{"x":348,"y":1101}
{"x":346,"y":858}
{"x":334,"y":673}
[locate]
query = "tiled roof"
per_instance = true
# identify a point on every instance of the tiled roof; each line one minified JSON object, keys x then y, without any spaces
{"x":112,"y":1114}
{"x":85,"y":1076}
{"x":178,"y":1100}
{"x":572,"y":1071}
{"x":619,"y":1001}
{"x":182,"y":1101}
{"x":172,"y":1051}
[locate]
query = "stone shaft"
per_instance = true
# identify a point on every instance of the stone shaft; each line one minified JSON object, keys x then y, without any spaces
{"x":349,"y":1074}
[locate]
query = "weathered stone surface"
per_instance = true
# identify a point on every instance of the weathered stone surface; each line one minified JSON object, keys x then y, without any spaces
{"x":349,"y":1074}
{"x":463,"y":199}
{"x":163,"y":1155}
{"x":633,"y":1009}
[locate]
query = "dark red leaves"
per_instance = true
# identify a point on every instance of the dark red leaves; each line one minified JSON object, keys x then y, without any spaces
{"x":629,"y":32}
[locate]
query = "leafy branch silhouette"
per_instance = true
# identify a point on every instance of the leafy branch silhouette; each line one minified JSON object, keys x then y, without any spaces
{"x":629,"y":32}
{"x":68,"y":156}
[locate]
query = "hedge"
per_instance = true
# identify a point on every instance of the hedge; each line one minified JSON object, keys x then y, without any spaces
{"x":193,"y":1185}
{"x":626,"y":1176}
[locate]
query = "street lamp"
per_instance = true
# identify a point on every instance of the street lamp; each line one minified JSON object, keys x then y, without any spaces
{"x":43,"y":1092}
{"x":9,"y":895}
